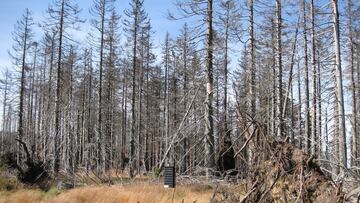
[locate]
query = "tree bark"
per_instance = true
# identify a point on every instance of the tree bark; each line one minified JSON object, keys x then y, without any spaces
{"x":314,"y":138}
{"x":280,"y":121}
{"x":209,"y":125}
{"x":339,"y":89}
{"x":354,"y":122}
{"x":307,"y":137}
{"x":22,"y":84}
{"x":58,"y":100}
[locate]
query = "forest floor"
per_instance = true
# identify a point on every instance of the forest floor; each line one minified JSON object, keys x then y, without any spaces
{"x":137,"y":192}
{"x":287,"y":174}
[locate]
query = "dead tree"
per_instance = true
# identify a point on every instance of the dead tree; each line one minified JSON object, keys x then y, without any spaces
{"x":62,"y":16}
{"x":23,"y":39}
{"x":339,"y":89}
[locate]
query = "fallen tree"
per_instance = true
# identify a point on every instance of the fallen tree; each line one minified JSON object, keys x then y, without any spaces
{"x":281,"y":172}
{"x":32,"y":172}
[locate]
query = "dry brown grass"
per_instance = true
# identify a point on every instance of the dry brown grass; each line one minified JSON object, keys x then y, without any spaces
{"x":142,"y":193}
{"x":24,"y":196}
{"x":136,"y":193}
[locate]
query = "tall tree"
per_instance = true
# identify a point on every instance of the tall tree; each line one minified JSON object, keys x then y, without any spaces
{"x":166,"y":97}
{"x":5,"y":87}
{"x":354,"y":120}
{"x":101,"y":10}
{"x":209,"y":123}
{"x":22,"y":37}
{"x":314,"y":138}
{"x":136,"y":17}
{"x":186,"y":49}
{"x":279,"y":103}
{"x":229,"y":27}
{"x":62,"y":16}
{"x":339,"y":89}
{"x":204,"y":10}
{"x":306,"y":64}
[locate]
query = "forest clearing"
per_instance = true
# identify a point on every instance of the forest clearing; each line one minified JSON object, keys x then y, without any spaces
{"x":218,"y":100}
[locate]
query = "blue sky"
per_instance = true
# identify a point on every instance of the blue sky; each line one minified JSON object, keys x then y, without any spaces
{"x":11,"y":11}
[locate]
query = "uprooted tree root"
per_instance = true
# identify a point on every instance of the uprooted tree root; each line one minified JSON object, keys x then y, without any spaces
{"x":290,"y":175}
{"x":32,"y":173}
{"x":281,"y":172}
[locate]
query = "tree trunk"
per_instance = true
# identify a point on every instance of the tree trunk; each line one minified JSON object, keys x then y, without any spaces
{"x":319,"y":107}
{"x":133,"y":96}
{"x":280,"y":122}
{"x":58,"y":99}
{"x":100,"y":138}
{"x":22,"y":85}
{"x":209,"y":125}
{"x":300,"y":127}
{"x":339,"y":89}
{"x":354,"y":123}
{"x":314,"y":138}
{"x":307,"y":99}
{"x":3,"y":134}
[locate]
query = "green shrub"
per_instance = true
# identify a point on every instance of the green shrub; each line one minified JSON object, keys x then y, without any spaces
{"x":52,"y":192}
{"x":7,"y":184}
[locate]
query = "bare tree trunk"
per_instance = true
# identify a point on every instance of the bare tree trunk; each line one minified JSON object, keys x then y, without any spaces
{"x":90,"y":127}
{"x":280,"y":122}
{"x":319,"y":107}
{"x":100,"y":138}
{"x":307,"y":100}
{"x":50,"y":100}
{"x":58,"y":99}
{"x":166,"y":93}
{"x":133,"y":96}
{"x":81,"y":151}
{"x":139,"y":124}
{"x":22,"y":84}
{"x":147,"y":149}
{"x":108,"y":138}
{"x":3,"y":133}
{"x":358,"y":105}
{"x":209,"y":125}
{"x":292,"y":120}
{"x":300,"y":127}
{"x":354,"y":129}
{"x":124,"y":122}
{"x":339,"y":86}
{"x":326,"y":136}
{"x":252,"y":62}
{"x":314,"y":138}
{"x":273,"y":96}
{"x":185,"y":87}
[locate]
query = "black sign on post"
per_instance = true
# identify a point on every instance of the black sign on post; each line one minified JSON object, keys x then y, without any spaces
{"x":169,"y":177}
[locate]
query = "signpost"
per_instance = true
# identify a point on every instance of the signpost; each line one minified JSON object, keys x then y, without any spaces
{"x":169,"y":177}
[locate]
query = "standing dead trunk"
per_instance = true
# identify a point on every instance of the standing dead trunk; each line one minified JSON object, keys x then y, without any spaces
{"x":133,"y":95}
{"x":58,"y":100}
{"x":100,"y":139}
{"x":314,"y":138}
{"x":279,"y":103}
{"x":185,"y":89}
{"x":26,"y":36}
{"x":299,"y":126}
{"x":209,"y":124}
{"x":319,"y":107}
{"x":5,"y":98}
{"x":307,"y":137}
{"x":339,"y":89}
{"x":354,"y":122}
